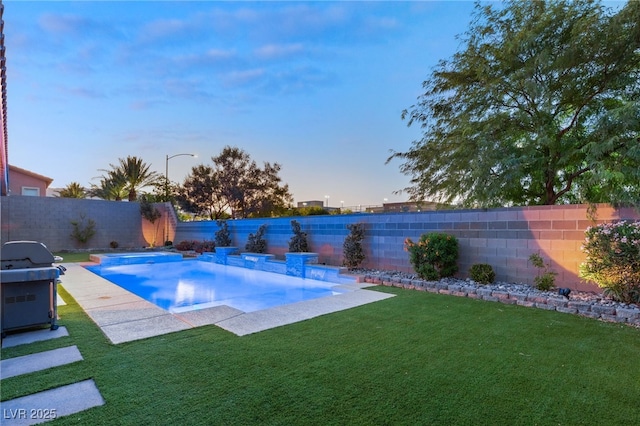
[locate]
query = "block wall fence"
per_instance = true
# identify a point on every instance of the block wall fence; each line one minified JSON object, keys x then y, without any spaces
{"x":503,"y":238}
{"x":48,"y":220}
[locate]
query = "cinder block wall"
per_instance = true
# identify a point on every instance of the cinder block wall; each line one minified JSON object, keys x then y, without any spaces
{"x":503,"y":238}
{"x":48,"y":220}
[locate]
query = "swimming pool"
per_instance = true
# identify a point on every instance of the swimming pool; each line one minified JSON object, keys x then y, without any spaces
{"x":185,"y":285}
{"x":135,"y":258}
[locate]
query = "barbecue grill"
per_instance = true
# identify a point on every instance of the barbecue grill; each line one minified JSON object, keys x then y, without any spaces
{"x":28,"y":286}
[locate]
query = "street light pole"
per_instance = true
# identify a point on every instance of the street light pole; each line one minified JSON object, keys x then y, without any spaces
{"x":166,"y":188}
{"x":166,"y":172}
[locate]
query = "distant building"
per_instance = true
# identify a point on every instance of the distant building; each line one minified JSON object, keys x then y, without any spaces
{"x":313,"y":203}
{"x":25,"y":182}
{"x":407,"y":206}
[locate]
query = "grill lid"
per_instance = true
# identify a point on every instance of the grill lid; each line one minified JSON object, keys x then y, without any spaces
{"x":25,"y":254}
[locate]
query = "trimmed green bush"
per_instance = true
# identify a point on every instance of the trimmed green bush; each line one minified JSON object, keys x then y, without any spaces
{"x":223,"y":238}
{"x":298,"y":243}
{"x":613,"y":259}
{"x":482,"y":273}
{"x":83,"y":231}
{"x":434,"y":256}
{"x":546,"y":279}
{"x":352,"y":247}
{"x":255,"y":243}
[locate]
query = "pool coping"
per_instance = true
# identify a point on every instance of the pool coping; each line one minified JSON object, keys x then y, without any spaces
{"x":123,"y":316}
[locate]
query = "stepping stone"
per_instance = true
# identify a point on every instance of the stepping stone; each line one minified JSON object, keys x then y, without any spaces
{"x":45,"y":406}
{"x":39,"y":361}
{"x":33,"y":336}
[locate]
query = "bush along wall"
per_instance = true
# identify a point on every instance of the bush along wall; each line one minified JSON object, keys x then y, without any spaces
{"x":613,"y":259}
{"x":434,"y":256}
{"x":222,"y":235}
{"x":352,"y":247}
{"x":255,"y":242}
{"x":298,"y":243}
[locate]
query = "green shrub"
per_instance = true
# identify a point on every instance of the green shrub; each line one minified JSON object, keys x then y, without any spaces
{"x":83,"y":232}
{"x":255,"y":243}
{"x":434,"y":256}
{"x":206,"y":245}
{"x":482,"y":273}
{"x":186,"y":245}
{"x":152,"y":214}
{"x":613,"y":259}
{"x":298,"y":243}
{"x":546,"y":279}
{"x":197,"y":246}
{"x":352,"y":247}
{"x":223,"y":238}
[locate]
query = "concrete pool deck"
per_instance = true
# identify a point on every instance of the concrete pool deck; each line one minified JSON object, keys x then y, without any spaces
{"x":125,"y":317}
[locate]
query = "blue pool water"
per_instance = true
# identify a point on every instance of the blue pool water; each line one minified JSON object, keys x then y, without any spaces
{"x":193,"y":284}
{"x":134,"y":258}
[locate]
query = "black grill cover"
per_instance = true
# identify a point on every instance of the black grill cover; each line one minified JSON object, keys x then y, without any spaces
{"x":25,"y":254}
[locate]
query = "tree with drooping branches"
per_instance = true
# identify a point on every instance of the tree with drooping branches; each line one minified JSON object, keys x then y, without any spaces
{"x":540,"y":106}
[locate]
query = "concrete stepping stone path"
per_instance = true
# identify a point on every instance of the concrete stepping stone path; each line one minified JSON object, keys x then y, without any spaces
{"x":51,"y":404}
{"x":39,"y":361}
{"x":33,"y":336}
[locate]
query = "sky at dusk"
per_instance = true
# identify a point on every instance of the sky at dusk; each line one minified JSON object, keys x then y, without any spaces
{"x":317,"y":87}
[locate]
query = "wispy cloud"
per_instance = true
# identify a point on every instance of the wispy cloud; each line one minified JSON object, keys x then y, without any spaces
{"x":81,"y":92}
{"x":210,"y":57}
{"x":270,"y":48}
{"x":299,"y":79}
{"x":277,"y":51}
{"x":63,"y":24}
{"x":163,"y":29}
{"x":243,"y":78}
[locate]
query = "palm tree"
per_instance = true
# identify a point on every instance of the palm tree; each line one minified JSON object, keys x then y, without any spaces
{"x":125,"y":179}
{"x":112,"y":186}
{"x":136,"y":173}
{"x":72,"y":190}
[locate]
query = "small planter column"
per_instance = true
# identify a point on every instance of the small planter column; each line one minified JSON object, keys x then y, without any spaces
{"x":296,"y":263}
{"x":222,"y":254}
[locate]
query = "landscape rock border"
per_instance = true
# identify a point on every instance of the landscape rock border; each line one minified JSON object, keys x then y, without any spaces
{"x":590,"y":305}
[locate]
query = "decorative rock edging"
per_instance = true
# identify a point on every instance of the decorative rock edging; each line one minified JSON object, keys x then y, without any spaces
{"x":579,"y":303}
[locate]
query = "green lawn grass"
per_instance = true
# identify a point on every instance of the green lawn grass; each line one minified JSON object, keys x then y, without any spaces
{"x":73,"y":257}
{"x":417,"y":358}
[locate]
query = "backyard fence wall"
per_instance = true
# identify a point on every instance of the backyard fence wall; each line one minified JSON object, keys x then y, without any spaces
{"x":48,"y":220}
{"x":503,"y":238}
